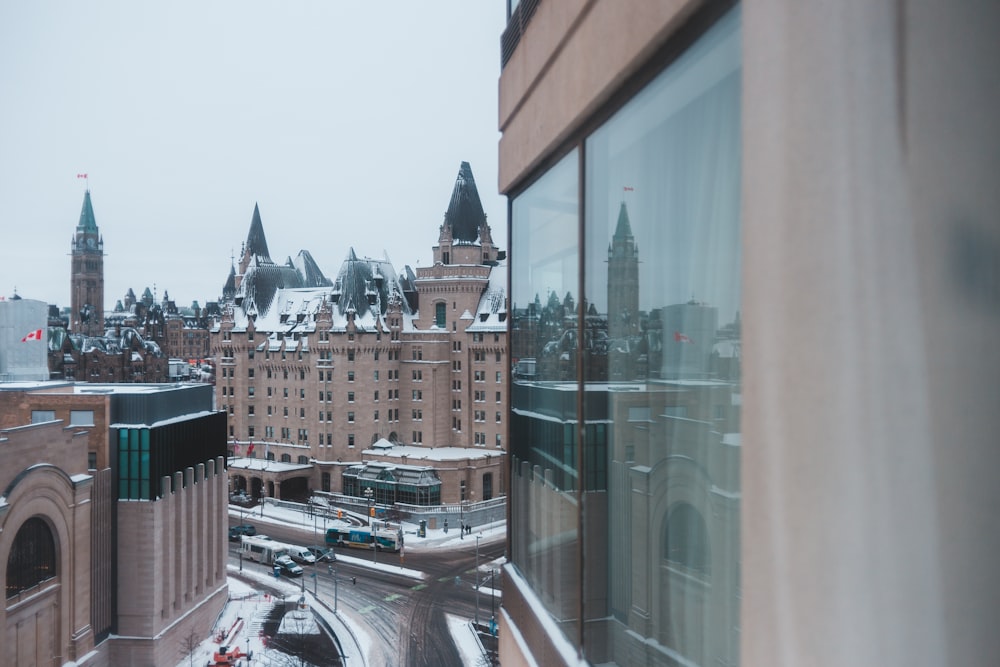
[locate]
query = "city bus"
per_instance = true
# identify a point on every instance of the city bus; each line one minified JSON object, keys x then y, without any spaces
{"x":388,"y":539}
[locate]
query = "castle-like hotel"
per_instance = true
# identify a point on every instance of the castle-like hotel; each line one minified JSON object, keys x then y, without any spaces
{"x":395,"y":381}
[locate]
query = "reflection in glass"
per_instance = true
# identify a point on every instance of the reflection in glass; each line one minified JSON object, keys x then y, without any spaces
{"x":658,"y":381}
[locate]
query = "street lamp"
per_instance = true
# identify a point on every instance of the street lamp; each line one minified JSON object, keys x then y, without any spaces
{"x":477,"y":580}
{"x":369,"y":494}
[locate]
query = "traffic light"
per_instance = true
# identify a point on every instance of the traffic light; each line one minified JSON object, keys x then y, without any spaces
{"x":371,"y":511}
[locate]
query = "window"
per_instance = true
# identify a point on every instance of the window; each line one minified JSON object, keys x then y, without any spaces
{"x":499,"y":417}
{"x":81,"y":417}
{"x":418,"y":395}
{"x":350,"y":440}
{"x":250,"y":392}
{"x":302,"y":394}
{"x":250,"y":373}
{"x":376,"y":395}
{"x":440,"y":311}
{"x":479,"y":415}
{"x":657,"y":254}
{"x":499,"y":377}
{"x":325,"y":481}
{"x":286,"y":411}
{"x":375,"y":418}
{"x":303,"y":460}
{"x":375,"y":376}
{"x":479,"y":376}
{"x":286,"y":458}
{"x":350,"y":417}
{"x":498,"y":397}
{"x":350,"y":376}
{"x":350,"y":355}
{"x":350,"y":397}
{"x":487,"y":486}
{"x":418,"y":436}
{"x":418,"y":415}
{"x":456,"y":404}
{"x":418,"y":376}
{"x":32,"y":557}
{"x":285,"y":392}
{"x":250,"y":410}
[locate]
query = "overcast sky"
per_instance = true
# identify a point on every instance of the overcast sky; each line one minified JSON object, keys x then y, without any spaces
{"x":345,"y":121}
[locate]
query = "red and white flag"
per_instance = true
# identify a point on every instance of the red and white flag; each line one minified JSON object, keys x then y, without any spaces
{"x":34,"y":335}
{"x":250,"y":448}
{"x":628,"y":188}
{"x":681,"y":338}
{"x":81,"y":176}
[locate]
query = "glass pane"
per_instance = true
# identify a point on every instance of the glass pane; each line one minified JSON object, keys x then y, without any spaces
{"x":662,"y":343}
{"x":545,"y":266}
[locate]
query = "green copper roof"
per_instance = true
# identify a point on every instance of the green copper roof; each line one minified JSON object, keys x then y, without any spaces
{"x":623,"y":230}
{"x":87,"y":221}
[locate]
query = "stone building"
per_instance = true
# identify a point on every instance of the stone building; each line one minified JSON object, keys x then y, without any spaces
{"x":321,"y":375}
{"x":112,"y":521}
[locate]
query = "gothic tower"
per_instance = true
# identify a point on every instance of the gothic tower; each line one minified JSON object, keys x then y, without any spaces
{"x":87,"y":275}
{"x":623,"y":280}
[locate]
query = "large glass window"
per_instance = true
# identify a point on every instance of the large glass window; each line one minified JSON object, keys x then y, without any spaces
{"x":32,"y":557}
{"x":625,"y":398}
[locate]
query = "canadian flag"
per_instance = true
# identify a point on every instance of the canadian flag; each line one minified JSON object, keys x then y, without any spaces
{"x":250,"y":448}
{"x":34,"y":335}
{"x":681,"y":338}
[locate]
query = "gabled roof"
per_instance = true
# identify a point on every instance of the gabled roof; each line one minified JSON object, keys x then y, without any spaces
{"x":465,"y":216}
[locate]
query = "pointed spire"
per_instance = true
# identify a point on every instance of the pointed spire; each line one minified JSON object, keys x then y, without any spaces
{"x":623,"y":230}
{"x":87,"y":221}
{"x":256,"y":243}
{"x":465,"y":216}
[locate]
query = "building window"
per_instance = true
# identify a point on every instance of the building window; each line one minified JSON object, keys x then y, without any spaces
{"x":81,"y":417}
{"x":286,"y":458}
{"x":440,"y":312}
{"x":350,"y":355}
{"x":350,"y":417}
{"x":42,"y":416}
{"x":324,"y":481}
{"x":487,"y":486}
{"x":32,"y":557}
{"x":350,"y":376}
{"x":350,"y":440}
{"x":659,"y":264}
{"x":303,"y":460}
{"x":350,"y":397}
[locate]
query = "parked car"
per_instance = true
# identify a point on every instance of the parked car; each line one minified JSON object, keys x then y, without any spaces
{"x":323,"y":554}
{"x":288,"y":567}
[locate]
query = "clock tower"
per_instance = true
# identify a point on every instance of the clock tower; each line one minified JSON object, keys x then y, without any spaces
{"x":87,"y":275}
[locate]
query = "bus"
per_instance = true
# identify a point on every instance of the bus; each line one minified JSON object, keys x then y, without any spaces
{"x":388,"y":539}
{"x":262,"y":549}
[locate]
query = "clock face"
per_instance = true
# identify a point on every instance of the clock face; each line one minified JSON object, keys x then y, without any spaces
{"x":90,"y":243}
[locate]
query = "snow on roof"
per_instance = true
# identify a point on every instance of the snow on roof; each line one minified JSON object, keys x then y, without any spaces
{"x":265,"y":464}
{"x":491,"y":315}
{"x":414,"y":452}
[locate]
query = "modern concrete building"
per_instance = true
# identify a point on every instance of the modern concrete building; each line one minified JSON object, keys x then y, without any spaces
{"x":407,"y":368}
{"x":23,"y":340}
{"x":754,"y":250}
{"x":113,"y":521}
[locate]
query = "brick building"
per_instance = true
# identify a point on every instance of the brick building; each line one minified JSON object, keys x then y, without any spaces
{"x":377,"y":366}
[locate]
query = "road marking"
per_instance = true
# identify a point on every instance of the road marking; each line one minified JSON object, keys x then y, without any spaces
{"x":418,"y":587}
{"x":393,"y":597}
{"x":367,"y":610}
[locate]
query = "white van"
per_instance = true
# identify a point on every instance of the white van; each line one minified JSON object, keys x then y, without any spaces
{"x":300,"y":554}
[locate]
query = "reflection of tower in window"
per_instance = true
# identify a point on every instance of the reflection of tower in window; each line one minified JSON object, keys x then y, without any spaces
{"x":623,"y":279}
{"x":686,"y":539}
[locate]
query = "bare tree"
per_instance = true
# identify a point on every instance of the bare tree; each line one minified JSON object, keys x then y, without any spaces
{"x":189,"y":644}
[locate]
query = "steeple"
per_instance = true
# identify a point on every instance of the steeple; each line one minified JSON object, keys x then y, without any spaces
{"x":256,"y":243}
{"x":88,"y":223}
{"x":623,"y":230}
{"x":465,"y":216}
{"x":623,"y":279}
{"x":87,"y":274}
{"x":465,"y":237}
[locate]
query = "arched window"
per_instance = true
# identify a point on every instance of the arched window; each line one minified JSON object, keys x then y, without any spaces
{"x":487,"y":486}
{"x":439,"y":314}
{"x":286,"y":458}
{"x":304,"y":460}
{"x":685,"y":540}
{"x":32,"y":558}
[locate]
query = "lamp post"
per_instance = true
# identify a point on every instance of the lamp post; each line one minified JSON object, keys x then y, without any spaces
{"x":370,"y":495}
{"x":461,"y":520}
{"x":477,"y":580}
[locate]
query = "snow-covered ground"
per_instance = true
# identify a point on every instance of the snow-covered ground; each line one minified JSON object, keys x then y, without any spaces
{"x":240,"y":623}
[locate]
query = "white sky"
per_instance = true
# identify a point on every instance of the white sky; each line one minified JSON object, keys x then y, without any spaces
{"x":346,"y":121}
